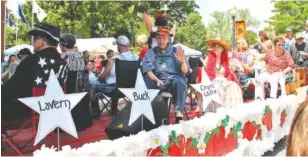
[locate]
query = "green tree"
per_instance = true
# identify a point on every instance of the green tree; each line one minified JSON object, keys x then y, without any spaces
{"x":192,"y":33}
{"x":252,"y":37}
{"x":289,"y":14}
{"x":221,"y":27}
{"x":91,"y":19}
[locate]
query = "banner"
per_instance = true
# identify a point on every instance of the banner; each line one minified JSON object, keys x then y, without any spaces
{"x":240,"y":28}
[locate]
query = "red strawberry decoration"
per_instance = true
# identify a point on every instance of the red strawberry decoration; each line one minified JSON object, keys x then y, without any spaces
{"x":230,"y":143}
{"x":191,"y":147}
{"x":177,"y":144}
{"x":249,"y":130}
{"x":267,"y":118}
{"x":155,"y":152}
{"x":209,"y":141}
{"x":219,"y":141}
{"x":283,"y":116}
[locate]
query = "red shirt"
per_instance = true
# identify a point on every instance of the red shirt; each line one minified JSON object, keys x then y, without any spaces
{"x":142,"y":52}
{"x":276,"y":63}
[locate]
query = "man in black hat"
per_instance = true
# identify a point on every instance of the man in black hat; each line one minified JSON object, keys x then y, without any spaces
{"x":33,"y":71}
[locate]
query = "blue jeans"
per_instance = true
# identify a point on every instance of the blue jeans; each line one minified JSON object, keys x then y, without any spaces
{"x":177,"y":88}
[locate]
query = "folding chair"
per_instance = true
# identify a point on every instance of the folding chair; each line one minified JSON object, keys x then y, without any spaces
{"x":126,"y":72}
{"x":168,"y":96}
{"x":105,"y":101}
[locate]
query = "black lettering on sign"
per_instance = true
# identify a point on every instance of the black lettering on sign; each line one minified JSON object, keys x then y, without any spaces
{"x":142,"y":96}
{"x":208,"y":90}
{"x":54,"y":105}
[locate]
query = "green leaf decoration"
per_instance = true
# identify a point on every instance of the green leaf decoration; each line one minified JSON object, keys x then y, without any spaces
{"x":165,"y":149}
{"x":285,"y":112}
{"x":267,"y":109}
{"x":254,"y":123}
{"x":237,"y":128}
{"x":193,"y":143}
{"x":207,"y":138}
{"x":261,"y":138}
{"x":225,"y":122}
{"x":216,"y":131}
{"x":174,"y":138}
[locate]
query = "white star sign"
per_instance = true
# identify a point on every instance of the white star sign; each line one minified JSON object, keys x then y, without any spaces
{"x":54,"y":109}
{"x":141,"y":98}
{"x":208,"y":90}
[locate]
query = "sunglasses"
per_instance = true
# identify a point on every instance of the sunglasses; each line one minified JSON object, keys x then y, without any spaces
{"x":280,"y":45}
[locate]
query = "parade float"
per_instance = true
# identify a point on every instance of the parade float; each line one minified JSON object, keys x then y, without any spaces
{"x":248,"y":129}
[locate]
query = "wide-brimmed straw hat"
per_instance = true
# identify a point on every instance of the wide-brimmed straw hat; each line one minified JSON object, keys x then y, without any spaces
{"x":222,"y":43}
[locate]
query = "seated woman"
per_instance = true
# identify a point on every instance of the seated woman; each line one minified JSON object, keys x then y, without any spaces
{"x":278,"y":60}
{"x":218,"y":70}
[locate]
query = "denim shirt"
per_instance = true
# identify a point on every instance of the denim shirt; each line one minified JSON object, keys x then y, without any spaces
{"x":164,"y":65}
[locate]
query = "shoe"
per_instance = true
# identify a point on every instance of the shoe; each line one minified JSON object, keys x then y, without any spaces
{"x":178,"y":119}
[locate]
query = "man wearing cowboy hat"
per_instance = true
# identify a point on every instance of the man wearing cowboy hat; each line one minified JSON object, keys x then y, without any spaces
{"x":165,"y":67}
{"x":33,"y":71}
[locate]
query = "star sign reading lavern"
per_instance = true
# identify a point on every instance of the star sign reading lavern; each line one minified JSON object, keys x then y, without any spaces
{"x":208,"y":90}
{"x":141,"y":98}
{"x":54,"y":109}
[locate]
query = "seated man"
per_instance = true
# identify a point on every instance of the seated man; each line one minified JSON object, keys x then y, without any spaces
{"x":108,"y":75}
{"x":33,"y":71}
{"x":165,"y":68}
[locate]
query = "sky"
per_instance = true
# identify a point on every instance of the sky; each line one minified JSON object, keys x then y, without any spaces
{"x":259,"y":9}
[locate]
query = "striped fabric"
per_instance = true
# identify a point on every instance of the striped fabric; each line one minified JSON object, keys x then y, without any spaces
{"x":276,"y":63}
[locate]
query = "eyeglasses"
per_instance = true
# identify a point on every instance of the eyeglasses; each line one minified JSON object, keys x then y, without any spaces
{"x":280,"y":45}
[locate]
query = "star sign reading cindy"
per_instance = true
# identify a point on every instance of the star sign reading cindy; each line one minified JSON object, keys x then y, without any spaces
{"x":54,"y":109}
{"x":141,"y":98}
{"x":208,"y":90}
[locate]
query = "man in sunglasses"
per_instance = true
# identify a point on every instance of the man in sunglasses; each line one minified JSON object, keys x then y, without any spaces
{"x":299,"y":51}
{"x":33,"y":71}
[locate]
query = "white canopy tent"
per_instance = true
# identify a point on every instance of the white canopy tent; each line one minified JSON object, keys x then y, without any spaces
{"x":15,"y":49}
{"x":99,"y":45}
{"x":189,"y":52}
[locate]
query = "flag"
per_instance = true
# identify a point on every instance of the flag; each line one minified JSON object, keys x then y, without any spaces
{"x":41,"y":14}
{"x":8,"y":18}
{"x":21,"y":14}
{"x":240,"y":28}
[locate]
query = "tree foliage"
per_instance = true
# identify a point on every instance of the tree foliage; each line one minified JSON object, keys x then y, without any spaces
{"x":192,"y":33}
{"x":221,"y":27}
{"x":92,"y":19}
{"x":252,"y":37}
{"x":289,"y":14}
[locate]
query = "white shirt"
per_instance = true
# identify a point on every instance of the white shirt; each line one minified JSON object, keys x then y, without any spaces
{"x":305,"y":34}
{"x":128,"y":56}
